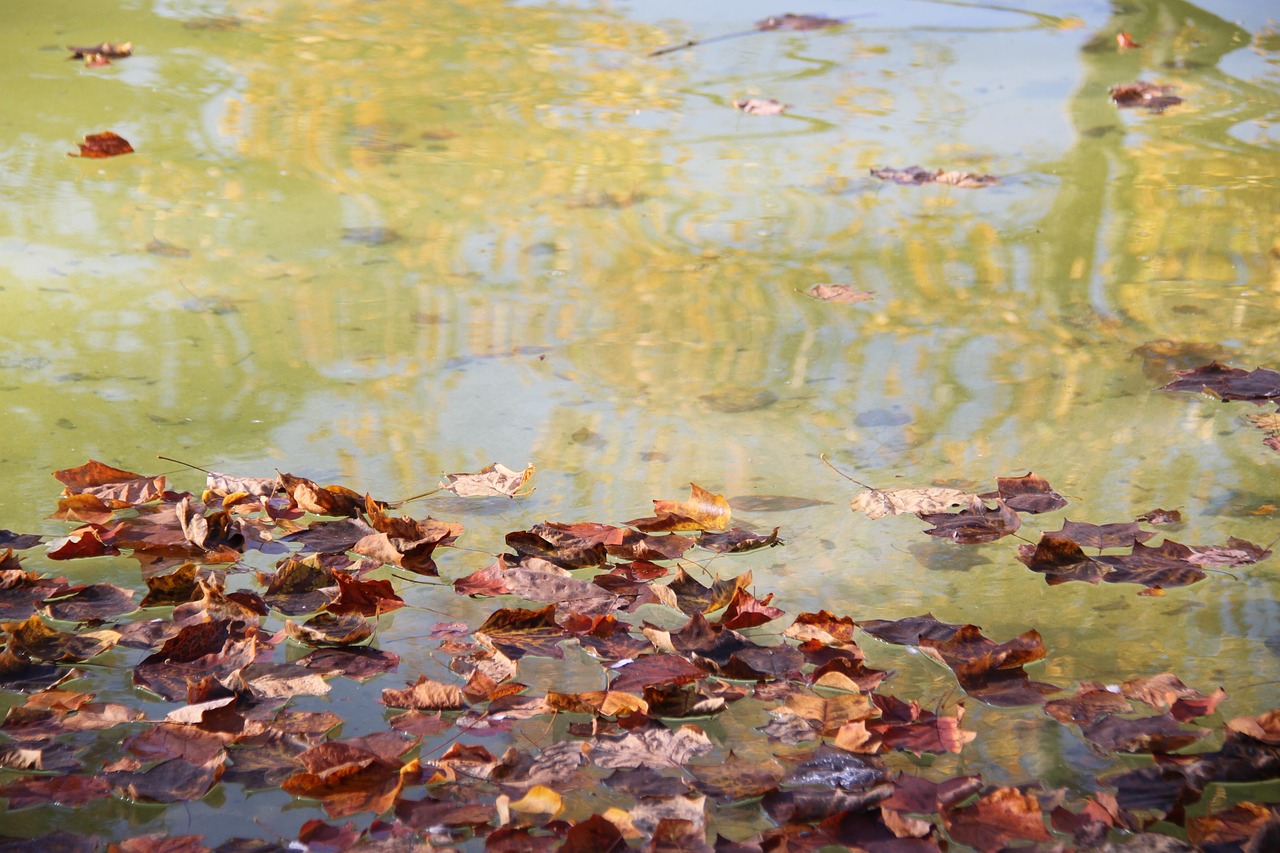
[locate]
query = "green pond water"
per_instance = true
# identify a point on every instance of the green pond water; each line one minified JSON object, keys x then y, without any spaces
{"x":370,"y":243}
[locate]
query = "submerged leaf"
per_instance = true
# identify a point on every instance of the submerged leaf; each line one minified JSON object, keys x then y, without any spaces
{"x":877,"y":503}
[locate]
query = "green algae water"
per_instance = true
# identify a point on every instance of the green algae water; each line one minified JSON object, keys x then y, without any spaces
{"x":371,"y":243}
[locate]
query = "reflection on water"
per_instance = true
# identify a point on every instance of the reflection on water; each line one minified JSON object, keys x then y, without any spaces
{"x":371,"y":245}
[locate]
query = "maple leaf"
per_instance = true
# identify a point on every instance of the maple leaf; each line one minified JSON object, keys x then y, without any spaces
{"x":322,"y":500}
{"x":172,"y":781}
{"x":989,"y":671}
{"x":1228,"y":383}
{"x":653,"y":746}
{"x":34,"y":638}
{"x":653,"y":669}
{"x":100,"y":145}
{"x":737,"y":540}
{"x":425,"y":695}
{"x":1165,"y":565}
{"x":494,"y":480}
{"x":330,"y":629}
{"x":1090,"y":704}
{"x":1060,"y":560}
{"x":517,"y":632}
{"x":877,"y":503}
{"x":1147,"y":734}
{"x":703,"y":511}
{"x":974,"y":525}
{"x":909,"y":631}
{"x":1149,"y":96}
{"x":1116,"y":535}
{"x":365,"y":597}
{"x":1030,"y":493}
{"x":565,"y":550}
{"x":998,"y":817}
{"x":692,"y":597}
{"x":1237,"y":552}
{"x":745,"y":611}
{"x":85,"y":603}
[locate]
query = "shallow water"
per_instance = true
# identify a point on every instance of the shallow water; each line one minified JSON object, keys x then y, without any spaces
{"x":370,"y":245}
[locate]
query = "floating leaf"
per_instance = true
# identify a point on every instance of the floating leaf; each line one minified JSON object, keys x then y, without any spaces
{"x":495,"y":480}
{"x":703,"y":511}
{"x":105,"y":144}
{"x":797,"y":22}
{"x":760,"y":106}
{"x":877,"y":503}
{"x":1228,"y":383}
{"x":916,"y":176}
{"x":1153,"y":98}
{"x":839,"y":293}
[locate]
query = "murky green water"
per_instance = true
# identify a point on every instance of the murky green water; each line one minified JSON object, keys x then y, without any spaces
{"x":371,"y":243}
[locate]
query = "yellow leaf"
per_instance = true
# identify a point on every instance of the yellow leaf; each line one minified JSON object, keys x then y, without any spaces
{"x":539,"y":800}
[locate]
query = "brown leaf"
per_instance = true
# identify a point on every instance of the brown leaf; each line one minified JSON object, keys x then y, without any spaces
{"x":974,"y":525}
{"x":1115,"y":535}
{"x":1147,"y":734}
{"x":365,"y":597}
{"x":172,"y":781}
{"x":35,"y":639}
{"x":839,"y":293}
{"x":655,"y":746}
{"x":517,"y":632}
{"x":1090,"y":704}
{"x":329,"y":629}
{"x":85,"y":603}
{"x":425,"y":695}
{"x":327,"y":500}
{"x":703,"y":511}
{"x":692,"y":597}
{"x":1228,"y":383}
{"x":909,"y":631}
{"x":737,"y":540}
{"x":998,"y":817}
{"x":1155,"y":99}
{"x":877,"y":503}
{"x":69,"y":791}
{"x":495,"y":480}
{"x":1165,"y":565}
{"x":651,"y":670}
{"x":1030,"y":493}
{"x":100,"y":145}
{"x":1060,"y":560}
{"x":106,"y":48}
{"x":746,"y":611}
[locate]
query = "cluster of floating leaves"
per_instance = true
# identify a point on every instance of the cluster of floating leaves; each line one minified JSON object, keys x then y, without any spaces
{"x":1059,"y":555}
{"x":822,"y":772}
{"x":1260,"y":385}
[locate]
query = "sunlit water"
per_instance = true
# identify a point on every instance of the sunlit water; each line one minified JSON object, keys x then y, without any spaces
{"x":372,"y":243}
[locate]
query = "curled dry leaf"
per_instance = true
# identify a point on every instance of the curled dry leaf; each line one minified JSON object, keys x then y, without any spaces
{"x":425,"y":695}
{"x":760,"y":106}
{"x":495,"y":480}
{"x":703,"y":511}
{"x":839,"y":293}
{"x":877,"y":503}
{"x":105,"y":144}
{"x":1124,"y":41}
